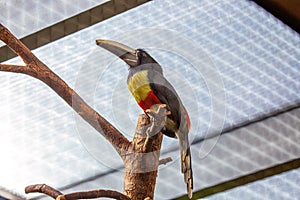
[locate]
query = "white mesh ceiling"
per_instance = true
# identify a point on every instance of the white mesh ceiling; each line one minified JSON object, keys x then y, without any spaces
{"x":254,"y":57}
{"x":281,"y":186}
{"x":24,"y":17}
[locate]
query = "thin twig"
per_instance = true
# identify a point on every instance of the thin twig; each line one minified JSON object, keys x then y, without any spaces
{"x":93,"y":195}
{"x":43,"y":188}
{"x":13,"y":68}
{"x":165,"y":161}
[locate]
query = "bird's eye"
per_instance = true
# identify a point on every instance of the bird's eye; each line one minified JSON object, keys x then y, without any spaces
{"x":139,"y":54}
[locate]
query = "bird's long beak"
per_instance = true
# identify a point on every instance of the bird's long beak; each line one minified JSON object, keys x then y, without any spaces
{"x":124,"y":52}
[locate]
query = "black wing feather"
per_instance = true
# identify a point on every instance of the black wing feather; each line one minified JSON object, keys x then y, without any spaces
{"x":167,"y":95}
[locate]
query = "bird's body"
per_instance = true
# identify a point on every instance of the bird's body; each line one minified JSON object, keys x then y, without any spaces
{"x":149,"y":87}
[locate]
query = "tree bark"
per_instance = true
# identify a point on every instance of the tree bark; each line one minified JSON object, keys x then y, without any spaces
{"x":141,"y":164}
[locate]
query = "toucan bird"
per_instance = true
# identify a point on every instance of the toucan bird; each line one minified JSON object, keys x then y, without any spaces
{"x":149,"y":87}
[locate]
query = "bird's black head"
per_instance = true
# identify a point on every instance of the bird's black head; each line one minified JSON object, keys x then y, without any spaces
{"x":131,"y":56}
{"x":143,"y":57}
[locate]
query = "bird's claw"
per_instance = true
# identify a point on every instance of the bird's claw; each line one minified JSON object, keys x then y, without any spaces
{"x":158,"y":117}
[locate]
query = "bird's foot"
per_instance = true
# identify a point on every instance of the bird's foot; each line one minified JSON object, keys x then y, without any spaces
{"x":158,"y":117}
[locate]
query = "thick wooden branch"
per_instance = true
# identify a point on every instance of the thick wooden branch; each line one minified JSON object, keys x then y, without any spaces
{"x":141,"y":165}
{"x":55,"y":194}
{"x":37,"y":69}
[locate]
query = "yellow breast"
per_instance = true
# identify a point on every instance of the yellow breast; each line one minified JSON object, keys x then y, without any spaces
{"x":139,"y":86}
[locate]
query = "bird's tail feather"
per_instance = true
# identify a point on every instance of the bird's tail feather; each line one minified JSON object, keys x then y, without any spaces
{"x":185,"y":152}
{"x":186,"y":167}
{"x":186,"y":162}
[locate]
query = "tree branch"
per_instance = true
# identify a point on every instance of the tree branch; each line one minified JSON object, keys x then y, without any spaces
{"x":14,"y":68}
{"x":164,"y":161}
{"x":55,"y":194}
{"x":37,"y":69}
{"x":141,"y":164}
{"x":43,"y":188}
{"x":93,"y":194}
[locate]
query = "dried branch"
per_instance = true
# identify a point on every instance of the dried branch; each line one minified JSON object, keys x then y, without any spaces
{"x":55,"y":194}
{"x":94,"y":194}
{"x":43,"y":188}
{"x":165,"y":160}
{"x":14,"y":68}
{"x":37,"y":69}
{"x":141,"y":165}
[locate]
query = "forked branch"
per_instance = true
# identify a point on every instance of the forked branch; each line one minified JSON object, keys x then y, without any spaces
{"x":37,"y":69}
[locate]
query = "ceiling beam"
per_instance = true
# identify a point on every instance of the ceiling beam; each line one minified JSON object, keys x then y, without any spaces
{"x":265,"y":173}
{"x":73,"y":24}
{"x":288,"y":11}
